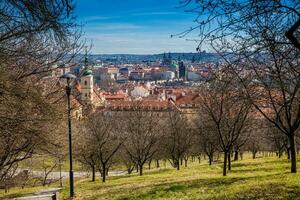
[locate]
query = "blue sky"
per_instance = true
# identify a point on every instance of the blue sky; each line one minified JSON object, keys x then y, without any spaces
{"x":135,"y":26}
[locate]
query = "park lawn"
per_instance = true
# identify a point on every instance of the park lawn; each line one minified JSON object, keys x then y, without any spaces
{"x":262,"y":178}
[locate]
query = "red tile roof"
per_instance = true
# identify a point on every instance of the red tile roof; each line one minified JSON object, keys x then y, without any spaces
{"x":115,"y":96}
{"x":147,"y":105}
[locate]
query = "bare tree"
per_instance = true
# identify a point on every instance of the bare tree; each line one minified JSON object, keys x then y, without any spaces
{"x":254,"y":144}
{"x":35,"y":38}
{"x":278,"y":140}
{"x":85,"y":153}
{"x":102,"y":141}
{"x":263,"y":36}
{"x":218,"y":19}
{"x":47,"y":168}
{"x":238,"y":146}
{"x":178,"y":138}
{"x":208,"y":140}
{"x":142,"y":132}
{"x":26,"y":121}
{"x":126,"y":160}
{"x":223,"y":103}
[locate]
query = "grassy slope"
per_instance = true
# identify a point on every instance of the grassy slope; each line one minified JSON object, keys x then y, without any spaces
{"x":262,"y":178}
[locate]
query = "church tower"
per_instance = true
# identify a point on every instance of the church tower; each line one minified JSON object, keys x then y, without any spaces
{"x":87,"y":85}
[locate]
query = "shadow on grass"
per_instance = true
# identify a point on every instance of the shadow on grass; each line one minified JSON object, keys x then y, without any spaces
{"x":269,"y":191}
{"x":165,"y":190}
{"x":251,"y":170}
{"x":213,"y":185}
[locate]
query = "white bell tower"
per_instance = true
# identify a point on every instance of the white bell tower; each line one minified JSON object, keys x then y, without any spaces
{"x":86,"y":82}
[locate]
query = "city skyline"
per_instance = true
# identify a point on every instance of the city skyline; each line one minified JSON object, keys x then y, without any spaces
{"x":135,"y":27}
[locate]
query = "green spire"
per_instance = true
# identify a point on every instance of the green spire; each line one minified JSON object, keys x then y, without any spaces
{"x":86,"y":59}
{"x":86,"y":71}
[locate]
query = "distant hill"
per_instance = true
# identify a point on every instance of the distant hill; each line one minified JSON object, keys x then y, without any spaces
{"x":198,"y":57}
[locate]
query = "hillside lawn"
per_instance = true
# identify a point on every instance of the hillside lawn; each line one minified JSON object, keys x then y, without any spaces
{"x":261,"y":178}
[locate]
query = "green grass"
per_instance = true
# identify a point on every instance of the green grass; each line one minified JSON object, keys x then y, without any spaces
{"x":262,"y":178}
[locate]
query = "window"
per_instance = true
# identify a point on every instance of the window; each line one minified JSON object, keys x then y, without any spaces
{"x":85,"y":82}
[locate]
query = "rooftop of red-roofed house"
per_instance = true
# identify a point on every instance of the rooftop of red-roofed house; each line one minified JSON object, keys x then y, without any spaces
{"x":75,"y":104}
{"x":188,"y":100}
{"x":117,"y":96}
{"x":153,"y":105}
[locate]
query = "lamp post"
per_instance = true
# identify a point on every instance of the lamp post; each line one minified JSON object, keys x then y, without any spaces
{"x":70,"y":77}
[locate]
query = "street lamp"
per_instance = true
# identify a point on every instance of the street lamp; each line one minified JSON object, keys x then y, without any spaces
{"x":70,"y":77}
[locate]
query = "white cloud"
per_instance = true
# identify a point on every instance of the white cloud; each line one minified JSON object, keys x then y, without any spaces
{"x":94,"y":18}
{"x":155,"y":13}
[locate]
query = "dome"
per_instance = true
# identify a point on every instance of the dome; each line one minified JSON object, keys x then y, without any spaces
{"x":173,"y":65}
{"x":87,"y":72}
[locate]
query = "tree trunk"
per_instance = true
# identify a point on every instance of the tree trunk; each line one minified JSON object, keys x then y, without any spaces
{"x":225,"y":164}
{"x":210,"y":160}
{"x":254,"y":154}
{"x":181,"y":161}
{"x":279,"y":154}
{"x":103,"y":173}
{"x":185,"y":162}
{"x":229,"y":161}
{"x":199,"y":159}
{"x":130,"y":169}
{"x":141,"y":169}
{"x":178,"y":165}
{"x":93,"y":173}
{"x":149,"y":164}
{"x":6,"y":190}
{"x":236,"y":155}
{"x":288,"y":151}
{"x":157,"y":163}
{"x":293,"y":154}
